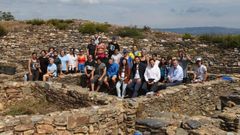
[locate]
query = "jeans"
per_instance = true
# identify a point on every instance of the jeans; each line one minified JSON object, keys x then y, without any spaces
{"x":174,"y":83}
{"x":124,"y":86}
{"x":150,"y":88}
{"x":81,"y":68}
{"x":34,"y":76}
{"x":134,"y":86}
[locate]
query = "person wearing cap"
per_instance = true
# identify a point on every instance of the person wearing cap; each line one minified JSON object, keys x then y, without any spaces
{"x":184,"y":60}
{"x":137,"y":77}
{"x":98,"y":74}
{"x":112,"y":46}
{"x":73,"y":63}
{"x":200,"y":72}
{"x":175,"y":75}
{"x":51,"y":70}
{"x":81,"y":61}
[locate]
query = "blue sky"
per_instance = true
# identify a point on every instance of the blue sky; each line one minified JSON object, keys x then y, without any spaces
{"x":154,"y":13}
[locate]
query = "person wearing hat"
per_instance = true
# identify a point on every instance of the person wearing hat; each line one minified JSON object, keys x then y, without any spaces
{"x":112,"y":46}
{"x":51,"y":70}
{"x":200,"y":72}
{"x":81,"y":61}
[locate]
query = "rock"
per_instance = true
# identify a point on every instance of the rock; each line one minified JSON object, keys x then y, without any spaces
{"x":45,"y":129}
{"x":191,"y":124}
{"x":180,"y":131}
{"x":21,"y":128}
{"x":152,"y":123}
{"x":1,"y":107}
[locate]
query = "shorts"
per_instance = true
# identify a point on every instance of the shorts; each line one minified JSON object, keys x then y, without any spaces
{"x":95,"y":80}
{"x":81,"y":68}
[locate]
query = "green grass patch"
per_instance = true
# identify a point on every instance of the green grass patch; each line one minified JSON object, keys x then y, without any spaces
{"x":93,"y":28}
{"x":132,"y":32}
{"x":35,"y":22}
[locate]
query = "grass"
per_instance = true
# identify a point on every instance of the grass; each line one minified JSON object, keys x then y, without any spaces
{"x":59,"y":23}
{"x":132,"y":32}
{"x":223,"y":41}
{"x":3,"y":31}
{"x":35,"y":22}
{"x":93,"y":28}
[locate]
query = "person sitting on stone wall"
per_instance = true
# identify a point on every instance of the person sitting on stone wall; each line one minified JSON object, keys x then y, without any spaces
{"x":112,"y":72}
{"x":163,"y":69}
{"x":51,"y":70}
{"x":175,"y":75}
{"x":152,"y":75}
{"x":99,"y":74}
{"x":123,"y":77}
{"x":116,"y":56}
{"x":200,"y":72}
{"x":88,"y":71}
{"x":137,"y":77}
{"x":64,"y":60}
{"x":34,"y":67}
{"x":128,"y":58}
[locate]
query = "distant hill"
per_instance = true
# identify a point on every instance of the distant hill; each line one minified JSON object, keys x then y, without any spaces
{"x":202,"y":30}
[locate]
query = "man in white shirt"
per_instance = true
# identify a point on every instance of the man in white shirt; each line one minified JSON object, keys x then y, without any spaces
{"x":175,"y":75}
{"x":200,"y":73}
{"x":152,"y":75}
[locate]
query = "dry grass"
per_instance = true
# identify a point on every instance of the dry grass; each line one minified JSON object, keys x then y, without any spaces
{"x":14,"y":26}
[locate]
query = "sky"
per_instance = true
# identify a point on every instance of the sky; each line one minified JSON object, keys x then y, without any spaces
{"x":153,"y":13}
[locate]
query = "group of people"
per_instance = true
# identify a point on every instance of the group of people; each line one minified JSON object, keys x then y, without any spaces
{"x":130,"y":73}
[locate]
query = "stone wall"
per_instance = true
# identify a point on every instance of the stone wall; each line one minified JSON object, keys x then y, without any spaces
{"x":224,"y":70}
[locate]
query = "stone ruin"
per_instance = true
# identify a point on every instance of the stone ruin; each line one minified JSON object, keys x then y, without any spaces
{"x":197,"y":109}
{"x":62,"y":107}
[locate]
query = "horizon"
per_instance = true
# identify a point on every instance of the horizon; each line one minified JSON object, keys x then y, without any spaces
{"x":155,"y":13}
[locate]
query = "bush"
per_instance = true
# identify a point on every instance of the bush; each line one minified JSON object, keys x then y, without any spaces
{"x":187,"y":36}
{"x":36,"y":22}
{"x":224,"y":41}
{"x":92,"y":28}
{"x":6,"y":16}
{"x":60,"y":24}
{"x":132,"y":32}
{"x":3,"y":31}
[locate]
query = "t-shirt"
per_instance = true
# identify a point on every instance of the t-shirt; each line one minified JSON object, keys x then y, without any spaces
{"x":99,"y":69}
{"x":112,"y":47}
{"x":116,"y":58}
{"x":200,"y":72}
{"x":90,"y":66}
{"x":137,"y":75}
{"x":91,"y":48}
{"x":72,"y":61}
{"x":64,"y":61}
{"x":52,"y":68}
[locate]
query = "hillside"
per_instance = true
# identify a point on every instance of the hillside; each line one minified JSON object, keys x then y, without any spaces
{"x":202,"y":30}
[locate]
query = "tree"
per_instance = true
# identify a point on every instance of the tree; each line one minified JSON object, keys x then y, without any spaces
{"x":6,"y":16}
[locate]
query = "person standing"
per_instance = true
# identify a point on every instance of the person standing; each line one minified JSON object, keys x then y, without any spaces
{"x":112,"y":46}
{"x":73,"y":63}
{"x":43,"y":60}
{"x":34,"y":67}
{"x":81,"y":61}
{"x":91,"y":48}
{"x":184,"y":61}
{"x":116,"y":56}
{"x":64,"y":60}
{"x":58,"y":62}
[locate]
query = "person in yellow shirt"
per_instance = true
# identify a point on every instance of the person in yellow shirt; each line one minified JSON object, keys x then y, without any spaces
{"x":134,"y":52}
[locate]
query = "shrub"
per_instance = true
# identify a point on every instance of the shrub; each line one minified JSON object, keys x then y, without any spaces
{"x":187,"y":36}
{"x":36,"y":22}
{"x":224,"y":41}
{"x":59,"y":23}
{"x":92,"y":28}
{"x":132,"y":32}
{"x":6,"y":16}
{"x":3,"y":31}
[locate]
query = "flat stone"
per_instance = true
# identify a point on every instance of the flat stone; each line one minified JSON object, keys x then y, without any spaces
{"x":20,"y":128}
{"x":180,"y":131}
{"x":153,"y":123}
{"x":45,"y":129}
{"x":191,"y":124}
